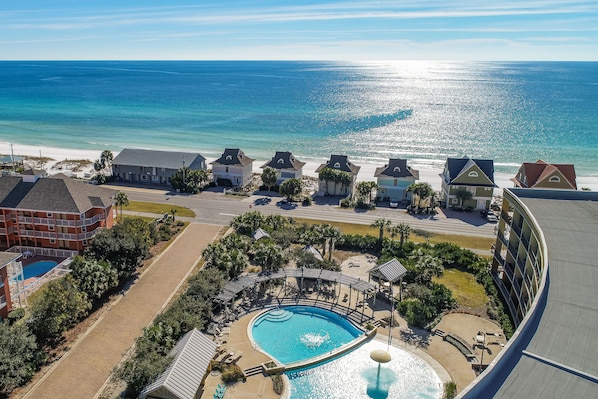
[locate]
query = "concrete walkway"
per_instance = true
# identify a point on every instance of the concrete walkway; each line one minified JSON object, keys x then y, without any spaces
{"x":82,"y":371}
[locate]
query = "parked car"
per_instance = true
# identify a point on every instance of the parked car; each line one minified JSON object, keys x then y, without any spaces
{"x":491,"y":217}
{"x":394,"y":204}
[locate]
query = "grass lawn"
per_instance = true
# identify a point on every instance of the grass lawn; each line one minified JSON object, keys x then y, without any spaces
{"x":466,"y":290}
{"x":471,"y":242}
{"x":160,"y":209}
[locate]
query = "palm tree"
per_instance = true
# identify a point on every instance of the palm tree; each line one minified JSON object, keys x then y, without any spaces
{"x":422,"y":190}
{"x":106,"y":158}
{"x":404,"y":230}
{"x":122,"y":200}
{"x":345,"y":179}
{"x":173,"y":212}
{"x":325,"y":175}
{"x":381,"y":224}
{"x":269,"y":177}
{"x":331,"y":234}
{"x":463,"y":195}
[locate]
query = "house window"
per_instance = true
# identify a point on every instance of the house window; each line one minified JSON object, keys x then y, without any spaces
{"x":229,"y":157}
{"x":396,"y":181}
{"x":455,"y":200}
{"x":227,"y":169}
{"x":163,"y":170}
{"x":396,"y":169}
{"x":280,"y":161}
{"x":554,"y":179}
{"x":337,"y":165}
{"x":487,"y":188}
{"x":473,"y":173}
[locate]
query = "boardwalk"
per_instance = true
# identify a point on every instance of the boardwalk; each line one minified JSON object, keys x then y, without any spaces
{"x":83,"y":370}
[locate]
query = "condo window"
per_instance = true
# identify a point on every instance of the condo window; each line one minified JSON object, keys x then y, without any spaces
{"x":49,"y":214}
{"x":51,"y":228}
{"x":52,"y":241}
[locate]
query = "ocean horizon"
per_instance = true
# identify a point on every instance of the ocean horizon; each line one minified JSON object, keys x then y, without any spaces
{"x":511,"y":112}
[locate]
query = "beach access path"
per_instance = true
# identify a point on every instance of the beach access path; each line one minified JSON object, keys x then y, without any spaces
{"x":82,"y":371}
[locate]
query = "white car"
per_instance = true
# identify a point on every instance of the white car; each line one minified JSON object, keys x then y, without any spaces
{"x":491,"y":217}
{"x":394,"y":204}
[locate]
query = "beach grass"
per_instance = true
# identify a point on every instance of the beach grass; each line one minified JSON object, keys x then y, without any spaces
{"x":159,"y":209}
{"x":463,"y":241}
{"x":466,"y":290}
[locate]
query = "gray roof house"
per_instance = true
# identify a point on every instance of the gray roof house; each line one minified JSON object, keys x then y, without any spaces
{"x":339,"y":163}
{"x":152,"y":166}
{"x":286,"y":165}
{"x":233,"y":168}
{"x":182,"y":379}
{"x":394,"y":178}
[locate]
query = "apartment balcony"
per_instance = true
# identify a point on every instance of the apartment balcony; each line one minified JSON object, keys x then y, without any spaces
{"x":61,"y":222}
{"x":2,"y":302}
{"x":516,"y":229}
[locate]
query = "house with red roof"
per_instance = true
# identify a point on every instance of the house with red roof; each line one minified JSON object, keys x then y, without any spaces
{"x":541,"y":174}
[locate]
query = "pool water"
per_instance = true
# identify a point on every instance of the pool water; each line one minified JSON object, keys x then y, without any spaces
{"x":38,"y":268}
{"x":295,"y":333}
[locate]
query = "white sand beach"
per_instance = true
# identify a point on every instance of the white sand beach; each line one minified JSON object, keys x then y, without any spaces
{"x":426,"y":174}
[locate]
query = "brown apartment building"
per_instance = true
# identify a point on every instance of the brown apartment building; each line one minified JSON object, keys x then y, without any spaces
{"x":54,"y":212}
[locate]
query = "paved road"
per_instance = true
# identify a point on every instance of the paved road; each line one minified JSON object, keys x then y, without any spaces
{"x":218,"y":208}
{"x":82,"y":371}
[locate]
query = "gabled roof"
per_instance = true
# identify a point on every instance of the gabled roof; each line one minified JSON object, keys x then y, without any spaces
{"x":397,"y":167}
{"x":7,"y":257}
{"x":390,"y":271}
{"x":532,"y":175}
{"x":57,"y":193}
{"x":260,"y":233}
{"x":284,"y":160}
{"x":192,"y":356}
{"x":340,"y":162}
{"x":233,"y":156}
{"x":159,"y":159}
{"x":310,"y":249}
{"x":457,"y":167}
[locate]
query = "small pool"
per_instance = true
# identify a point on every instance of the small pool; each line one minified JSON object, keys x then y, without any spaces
{"x":38,"y":268}
{"x":295,"y":333}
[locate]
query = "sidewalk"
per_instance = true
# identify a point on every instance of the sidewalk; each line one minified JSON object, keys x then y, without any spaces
{"x":82,"y":371}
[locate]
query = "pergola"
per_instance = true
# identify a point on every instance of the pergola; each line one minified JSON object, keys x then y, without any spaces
{"x":237,"y":286}
{"x":391,"y":271}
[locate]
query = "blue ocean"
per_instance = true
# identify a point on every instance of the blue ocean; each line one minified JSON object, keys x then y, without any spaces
{"x":511,"y":112}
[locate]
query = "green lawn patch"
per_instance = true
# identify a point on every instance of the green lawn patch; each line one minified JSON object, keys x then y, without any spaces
{"x":469,"y":242}
{"x":466,"y":290}
{"x":160,"y":209}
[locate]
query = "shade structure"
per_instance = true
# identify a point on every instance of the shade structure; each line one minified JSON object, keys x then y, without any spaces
{"x":380,"y":356}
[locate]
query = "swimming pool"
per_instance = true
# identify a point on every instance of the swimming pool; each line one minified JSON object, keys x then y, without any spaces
{"x":38,"y":268}
{"x":315,"y":332}
{"x":296,"y":333}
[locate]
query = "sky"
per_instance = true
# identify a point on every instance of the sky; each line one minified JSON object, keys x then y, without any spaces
{"x":480,"y":30}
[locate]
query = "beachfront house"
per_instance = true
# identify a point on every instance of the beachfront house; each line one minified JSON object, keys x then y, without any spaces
{"x":467,"y":175}
{"x":286,"y":166}
{"x":331,"y":185}
{"x":541,"y":174}
{"x":56,"y":212}
{"x":233,"y":168}
{"x":393,"y":180}
{"x":154,"y":167}
{"x":9,"y":261}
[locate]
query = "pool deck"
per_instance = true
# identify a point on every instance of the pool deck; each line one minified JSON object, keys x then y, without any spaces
{"x":446,"y":360}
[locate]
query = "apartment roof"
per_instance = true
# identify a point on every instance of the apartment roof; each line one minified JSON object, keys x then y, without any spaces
{"x":57,"y":193}
{"x":233,"y":156}
{"x":532,"y":175}
{"x":340,"y":162}
{"x":284,"y":160}
{"x":192,"y":356}
{"x":7,"y":257}
{"x":396,"y":167}
{"x":555,"y":353}
{"x":159,"y":159}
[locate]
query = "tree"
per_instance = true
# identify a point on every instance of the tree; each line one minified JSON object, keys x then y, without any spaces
{"x":106,"y":158}
{"x":381,"y":224}
{"x":345,"y":179}
{"x":268,"y":255}
{"x":186,"y":180}
{"x":173,"y":213}
{"x":92,"y":277}
{"x":365,"y":188}
{"x":122,"y":200}
{"x":326,"y":175}
{"x":20,"y":357}
{"x":463,"y":195}
{"x":269,"y":177}
{"x":290,"y":188}
{"x":422,"y":190}
{"x":403,"y":230}
{"x":247,"y":223}
{"x":60,"y":305}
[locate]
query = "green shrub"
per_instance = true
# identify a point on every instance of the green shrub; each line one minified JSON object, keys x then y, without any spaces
{"x":277,"y":384}
{"x":450,"y":390}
